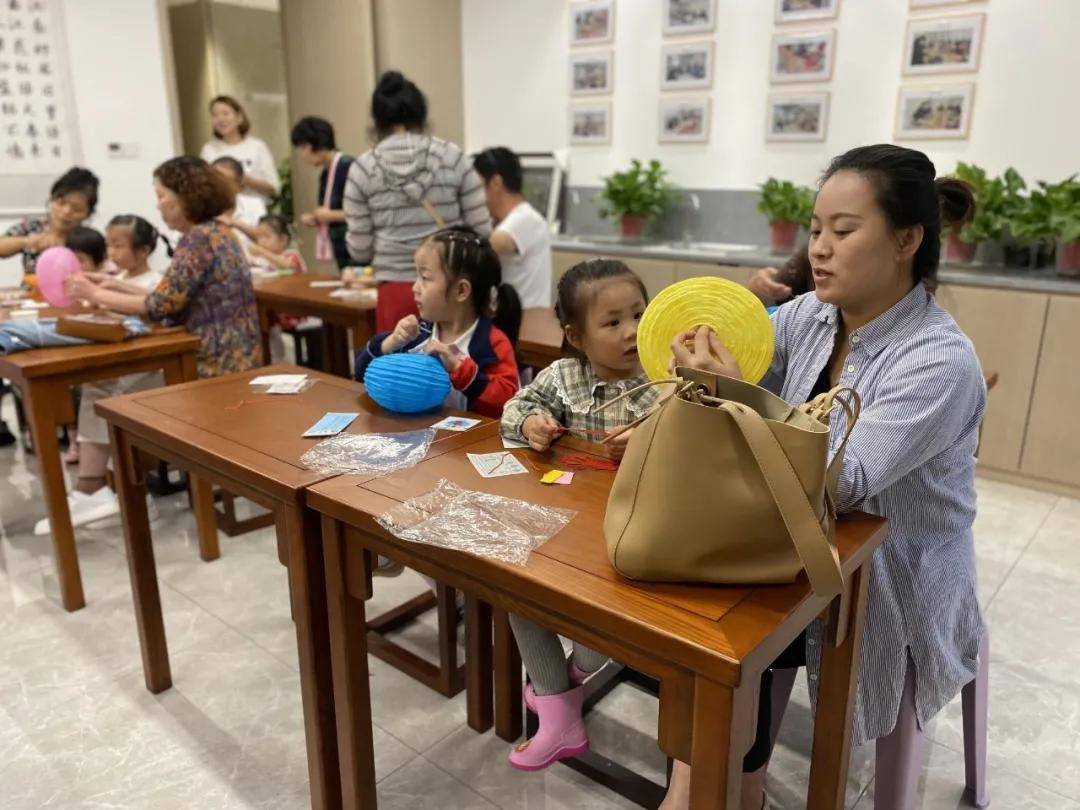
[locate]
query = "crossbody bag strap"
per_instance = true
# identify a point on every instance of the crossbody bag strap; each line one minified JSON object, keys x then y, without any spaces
{"x":818,"y":555}
{"x":432,"y":212}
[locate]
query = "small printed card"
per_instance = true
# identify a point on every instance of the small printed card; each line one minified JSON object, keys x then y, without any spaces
{"x":330,"y":424}
{"x":514,"y":444}
{"x":458,"y":424}
{"x":496,"y":465}
{"x":278,"y":379}
{"x":292,"y":387}
{"x":329,"y":283}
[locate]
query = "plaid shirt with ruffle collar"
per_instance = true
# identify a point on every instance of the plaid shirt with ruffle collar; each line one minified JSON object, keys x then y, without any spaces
{"x":568,"y":390}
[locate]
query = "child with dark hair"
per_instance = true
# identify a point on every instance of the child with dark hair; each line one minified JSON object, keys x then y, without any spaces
{"x":398,"y":194}
{"x":600,"y":302}
{"x":89,"y":246}
{"x":248,"y":209}
{"x":521,"y":237}
{"x":273,"y":245}
{"x":313,"y":139}
{"x":469,"y":319}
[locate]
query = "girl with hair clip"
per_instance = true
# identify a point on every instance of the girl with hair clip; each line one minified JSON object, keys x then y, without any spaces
{"x":469,"y":319}
{"x":129,"y":242}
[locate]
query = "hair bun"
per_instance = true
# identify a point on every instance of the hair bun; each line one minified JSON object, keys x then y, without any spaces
{"x":392,"y":81}
{"x":957,"y":200}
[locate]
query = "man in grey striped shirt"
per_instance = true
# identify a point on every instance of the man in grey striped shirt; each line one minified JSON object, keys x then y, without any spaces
{"x":404,"y":190}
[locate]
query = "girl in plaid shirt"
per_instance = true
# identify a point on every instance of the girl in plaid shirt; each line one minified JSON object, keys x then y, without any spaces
{"x":599,"y":304}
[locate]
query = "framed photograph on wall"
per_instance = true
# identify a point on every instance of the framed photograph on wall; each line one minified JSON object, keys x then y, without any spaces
{"x":934,"y":112}
{"x":686,"y":66}
{"x":590,"y":124}
{"x":689,"y":16}
{"x":684,"y":120}
{"x":943,"y":44}
{"x":592,"y":23}
{"x":920,"y":4}
{"x":590,"y":73}
{"x":803,"y":57}
{"x":802,"y":117}
{"x":799,"y":10}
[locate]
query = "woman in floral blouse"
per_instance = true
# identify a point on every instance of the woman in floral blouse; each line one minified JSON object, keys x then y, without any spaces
{"x":207,"y":287}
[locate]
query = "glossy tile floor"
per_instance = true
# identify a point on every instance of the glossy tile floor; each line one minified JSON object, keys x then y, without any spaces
{"x":79,"y":730}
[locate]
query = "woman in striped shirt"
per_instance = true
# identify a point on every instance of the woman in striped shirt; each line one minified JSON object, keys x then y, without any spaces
{"x":870,"y":324}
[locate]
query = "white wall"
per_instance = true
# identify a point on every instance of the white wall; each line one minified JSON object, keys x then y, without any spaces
{"x":120,"y":89}
{"x":1025,"y":115}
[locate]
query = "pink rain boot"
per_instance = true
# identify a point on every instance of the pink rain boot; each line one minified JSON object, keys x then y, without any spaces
{"x":577,"y":678}
{"x":561,"y":734}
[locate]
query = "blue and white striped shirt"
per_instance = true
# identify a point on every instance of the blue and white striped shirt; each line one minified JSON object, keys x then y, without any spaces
{"x":910,"y":459}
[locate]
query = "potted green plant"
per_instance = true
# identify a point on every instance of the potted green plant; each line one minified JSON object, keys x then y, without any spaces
{"x":1063,"y":202}
{"x":987,"y":223}
{"x":636,"y":195}
{"x":1016,"y":251}
{"x":1029,"y":224}
{"x":788,"y":208}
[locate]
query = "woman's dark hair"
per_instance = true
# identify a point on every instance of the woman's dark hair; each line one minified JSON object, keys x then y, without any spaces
{"x":234,"y":164}
{"x":278,"y":224}
{"x":318,"y":133}
{"x":397,"y":101}
{"x":203,"y":192}
{"x":143,"y":234}
{"x":573,"y":296}
{"x":87,"y":240}
{"x":797,"y":273}
{"x":466,"y":254}
{"x":245,"y":124}
{"x":499,"y":160}
{"x":908,"y":193}
{"x":77,"y":179}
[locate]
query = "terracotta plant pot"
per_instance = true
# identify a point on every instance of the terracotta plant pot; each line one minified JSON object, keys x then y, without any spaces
{"x":1068,"y":259}
{"x":959,"y":252}
{"x":783,"y":235}
{"x":632,"y":226}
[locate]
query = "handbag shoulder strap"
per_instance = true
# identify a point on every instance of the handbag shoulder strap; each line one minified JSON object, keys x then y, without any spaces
{"x":425,"y":203}
{"x":818,"y":555}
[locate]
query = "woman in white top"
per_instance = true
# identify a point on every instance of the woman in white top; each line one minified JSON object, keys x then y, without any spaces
{"x":231,"y":139}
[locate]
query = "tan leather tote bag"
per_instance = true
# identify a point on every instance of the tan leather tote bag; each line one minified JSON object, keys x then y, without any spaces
{"x":725,"y":482}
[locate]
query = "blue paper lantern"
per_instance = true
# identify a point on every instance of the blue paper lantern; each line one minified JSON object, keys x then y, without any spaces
{"x":407,"y":383}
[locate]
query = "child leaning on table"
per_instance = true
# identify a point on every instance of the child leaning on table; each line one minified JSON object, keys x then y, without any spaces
{"x":129,"y":241}
{"x":599,"y":304}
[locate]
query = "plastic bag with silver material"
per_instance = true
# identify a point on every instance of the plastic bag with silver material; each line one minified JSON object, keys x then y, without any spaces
{"x":368,"y":453}
{"x":480,"y":523}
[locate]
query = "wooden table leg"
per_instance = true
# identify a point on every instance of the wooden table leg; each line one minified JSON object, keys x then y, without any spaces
{"x":723,"y":724}
{"x":836,"y":705}
{"x":478,"y":664}
{"x":307,"y":586}
{"x":266,"y":322}
{"x":508,"y":705}
{"x":43,"y":431}
{"x":141,"y":568}
{"x":446,"y":611}
{"x":202,"y":503}
{"x":337,"y":338}
{"x":347,"y":630}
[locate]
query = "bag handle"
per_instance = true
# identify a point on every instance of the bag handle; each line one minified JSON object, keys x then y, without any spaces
{"x":821,"y":406}
{"x":674,"y":390}
{"x":819,"y":556}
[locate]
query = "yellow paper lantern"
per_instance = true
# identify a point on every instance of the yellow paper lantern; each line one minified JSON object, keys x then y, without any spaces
{"x":729,"y":309}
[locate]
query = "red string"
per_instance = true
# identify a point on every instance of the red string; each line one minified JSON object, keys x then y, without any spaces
{"x":585,"y":461}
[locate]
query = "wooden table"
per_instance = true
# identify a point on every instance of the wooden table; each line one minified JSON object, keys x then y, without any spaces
{"x":249,"y":443}
{"x":540,"y":339}
{"x":45,"y":377}
{"x":707,"y":646}
{"x":295,"y":295}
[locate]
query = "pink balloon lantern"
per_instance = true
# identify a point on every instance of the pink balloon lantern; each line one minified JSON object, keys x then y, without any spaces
{"x":55,"y":266}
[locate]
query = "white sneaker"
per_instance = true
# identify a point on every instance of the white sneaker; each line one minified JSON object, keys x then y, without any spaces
{"x":94,"y":508}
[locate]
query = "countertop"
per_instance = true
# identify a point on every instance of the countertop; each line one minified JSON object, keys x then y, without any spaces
{"x":1045,"y":280}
